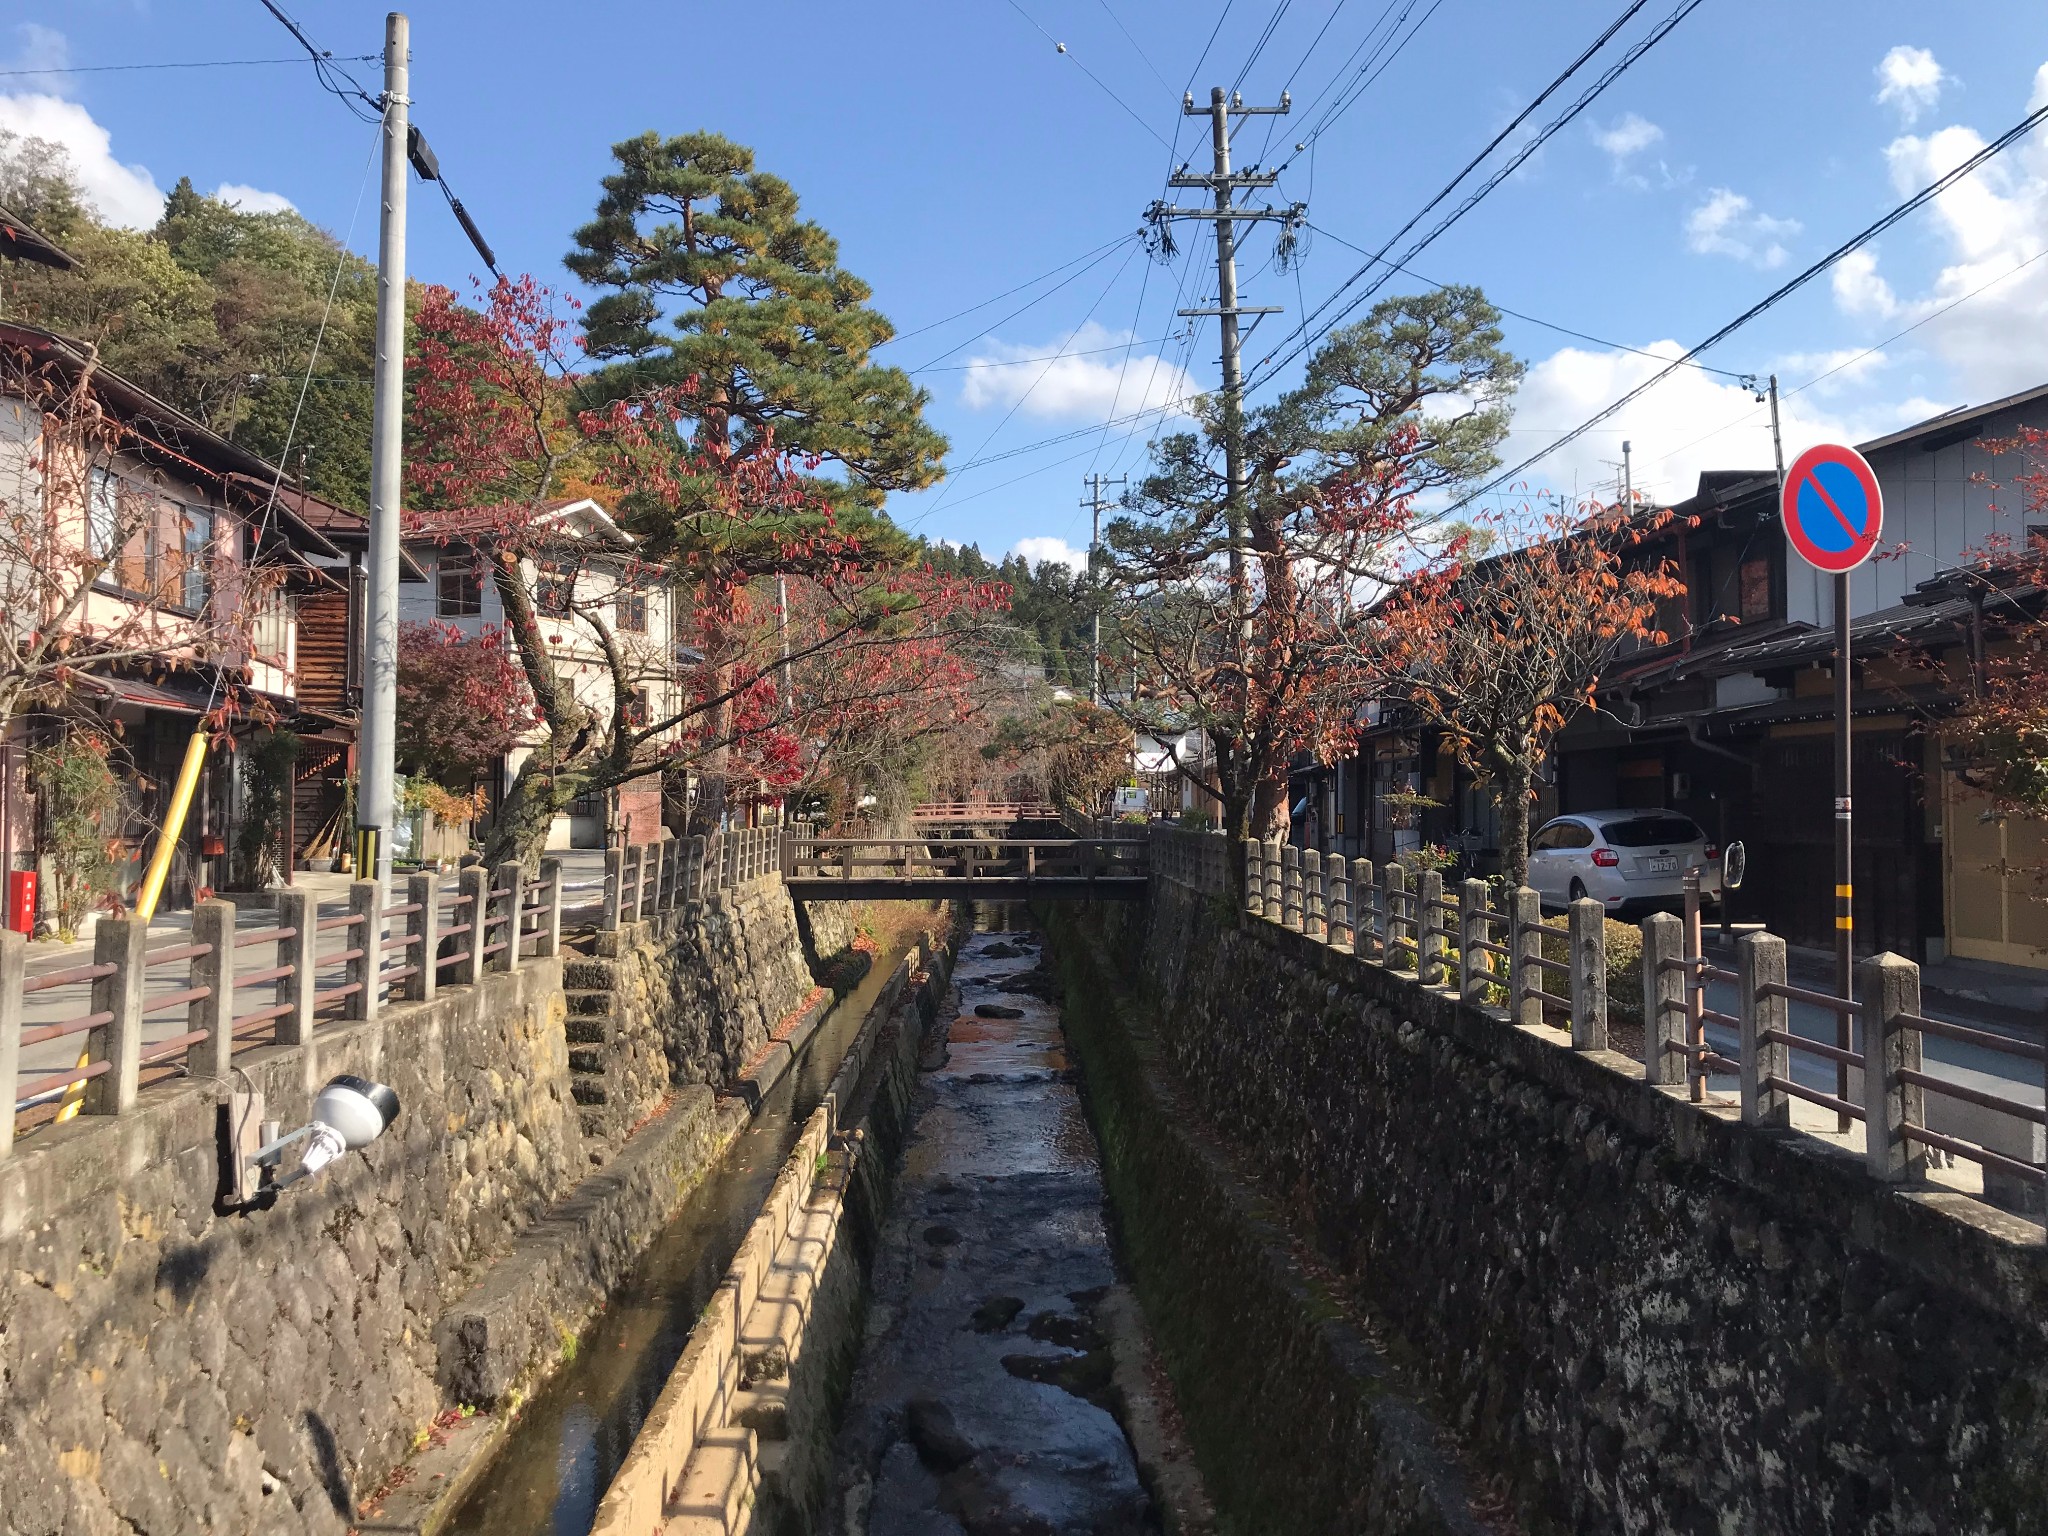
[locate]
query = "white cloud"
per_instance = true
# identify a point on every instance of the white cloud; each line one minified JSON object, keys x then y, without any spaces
{"x":1628,"y":135}
{"x":124,"y":194}
{"x":42,"y":48}
{"x":1858,"y":288}
{"x":1909,"y":81}
{"x":1990,"y":226}
{"x":1039,"y":549}
{"x":1727,"y":224}
{"x":253,"y":199}
{"x":1081,"y":376}
{"x":1691,"y":422}
{"x":1831,"y":371}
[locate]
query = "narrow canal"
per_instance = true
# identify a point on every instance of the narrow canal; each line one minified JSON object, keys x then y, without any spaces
{"x":1006,"y":1385}
{"x":560,"y":1455}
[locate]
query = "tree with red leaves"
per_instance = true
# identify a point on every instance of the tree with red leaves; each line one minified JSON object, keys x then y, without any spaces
{"x":496,"y":434}
{"x":1241,"y":610}
{"x":463,"y":702}
{"x":1501,"y":652}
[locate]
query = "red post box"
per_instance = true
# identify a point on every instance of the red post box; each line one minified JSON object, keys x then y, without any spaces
{"x":21,"y":901}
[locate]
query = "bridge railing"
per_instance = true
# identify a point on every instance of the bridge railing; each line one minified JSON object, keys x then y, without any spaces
{"x":644,"y":880}
{"x":966,"y":859}
{"x":1880,"y":1095}
{"x":985,"y":811}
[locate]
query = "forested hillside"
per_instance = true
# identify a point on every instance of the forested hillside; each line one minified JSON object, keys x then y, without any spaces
{"x":214,"y":310}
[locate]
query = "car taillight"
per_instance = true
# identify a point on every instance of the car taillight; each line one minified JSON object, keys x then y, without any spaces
{"x":1713,"y":853}
{"x":1606,"y":858}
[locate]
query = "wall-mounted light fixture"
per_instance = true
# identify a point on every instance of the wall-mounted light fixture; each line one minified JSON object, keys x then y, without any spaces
{"x":348,"y":1114}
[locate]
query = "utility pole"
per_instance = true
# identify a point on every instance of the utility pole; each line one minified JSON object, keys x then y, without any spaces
{"x":376,"y":810}
{"x":1227,"y":215}
{"x":1628,"y":480}
{"x":1094,"y":503}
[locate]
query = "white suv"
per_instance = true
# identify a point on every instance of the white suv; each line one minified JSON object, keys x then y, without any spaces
{"x":1630,"y":861}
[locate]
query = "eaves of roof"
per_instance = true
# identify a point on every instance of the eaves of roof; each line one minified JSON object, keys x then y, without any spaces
{"x":1949,"y":421}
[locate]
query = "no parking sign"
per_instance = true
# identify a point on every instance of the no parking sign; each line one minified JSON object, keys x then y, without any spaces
{"x":1832,"y":508}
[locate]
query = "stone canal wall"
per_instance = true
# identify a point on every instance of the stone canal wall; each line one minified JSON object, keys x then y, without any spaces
{"x":1634,"y":1314}
{"x":168,"y":1366}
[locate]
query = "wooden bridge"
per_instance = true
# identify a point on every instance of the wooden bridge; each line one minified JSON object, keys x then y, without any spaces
{"x":990,"y":869}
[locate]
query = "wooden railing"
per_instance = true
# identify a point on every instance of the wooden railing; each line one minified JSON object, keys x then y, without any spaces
{"x":988,"y":812}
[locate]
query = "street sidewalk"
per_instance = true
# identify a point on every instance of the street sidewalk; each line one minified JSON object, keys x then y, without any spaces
{"x":1966,"y":991}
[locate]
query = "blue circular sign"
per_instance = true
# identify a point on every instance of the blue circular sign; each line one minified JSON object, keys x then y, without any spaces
{"x":1832,"y":508}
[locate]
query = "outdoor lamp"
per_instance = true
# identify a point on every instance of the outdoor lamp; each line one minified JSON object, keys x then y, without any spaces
{"x":348,"y":1114}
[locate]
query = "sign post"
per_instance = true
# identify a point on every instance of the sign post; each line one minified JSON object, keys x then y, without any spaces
{"x":1833,"y":514}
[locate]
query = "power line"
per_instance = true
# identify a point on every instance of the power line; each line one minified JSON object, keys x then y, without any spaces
{"x":1101,"y":85}
{"x":998,"y":298}
{"x":1259,"y":47}
{"x":102,"y":69}
{"x":1300,"y":337}
{"x":326,"y":67}
{"x":1051,"y":357}
{"x":1548,"y":325}
{"x":1102,"y":255}
{"x":1862,"y":237}
{"x":1368,"y":73}
{"x":1136,"y":46}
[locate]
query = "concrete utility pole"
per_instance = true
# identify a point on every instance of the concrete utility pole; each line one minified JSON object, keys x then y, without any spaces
{"x":376,"y":808}
{"x":1094,"y":503}
{"x":1628,"y":479}
{"x":1227,"y":216}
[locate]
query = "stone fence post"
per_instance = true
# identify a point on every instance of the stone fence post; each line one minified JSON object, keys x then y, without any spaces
{"x":1663,"y":1000}
{"x":473,"y":887}
{"x":213,"y":924}
{"x":1589,"y":975}
{"x":1400,"y":950}
{"x":1473,"y":930}
{"x":118,"y":941}
{"x":1314,"y":915}
{"x":423,"y":927}
{"x":1254,"y":879}
{"x":1525,"y":947}
{"x":511,"y":879}
{"x":614,"y":888}
{"x":298,"y":958}
{"x":364,"y":940}
{"x":1430,"y":969}
{"x":1888,"y":987}
{"x":13,"y":974}
{"x":550,"y":932}
{"x":1342,"y":918}
{"x":1760,"y":962}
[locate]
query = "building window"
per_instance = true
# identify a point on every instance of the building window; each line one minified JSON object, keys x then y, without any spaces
{"x":460,"y":590}
{"x":551,"y":595}
{"x":103,"y":517}
{"x":636,"y":708}
{"x":1755,"y":581}
{"x":632,"y":611}
{"x":195,"y":557}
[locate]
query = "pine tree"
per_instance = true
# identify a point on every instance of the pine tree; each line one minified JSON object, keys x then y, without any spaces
{"x":717,"y":283}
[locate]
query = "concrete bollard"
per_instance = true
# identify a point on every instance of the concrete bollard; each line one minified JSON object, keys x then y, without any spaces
{"x":365,"y":937}
{"x":1888,"y":987}
{"x":13,"y":973}
{"x":118,"y":941}
{"x":1314,"y":915}
{"x":1588,"y":937}
{"x":299,"y":915}
{"x":1365,"y":919}
{"x":1429,"y":966}
{"x":1525,"y":947}
{"x":1400,"y":948}
{"x":1760,"y":962}
{"x":1254,"y":880}
{"x":1337,"y":877}
{"x":473,"y":887}
{"x":1269,"y":855}
{"x":511,"y":879}
{"x":1663,"y":1000}
{"x":1290,"y":887}
{"x":213,"y":924}
{"x":1474,"y":972}
{"x":550,"y":931}
{"x":423,"y":928}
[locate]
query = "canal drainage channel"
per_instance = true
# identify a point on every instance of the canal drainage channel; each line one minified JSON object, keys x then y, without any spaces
{"x":552,"y":1468}
{"x":1007,"y":1383}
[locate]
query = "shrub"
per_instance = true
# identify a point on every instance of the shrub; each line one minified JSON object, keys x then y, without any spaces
{"x":81,"y":797}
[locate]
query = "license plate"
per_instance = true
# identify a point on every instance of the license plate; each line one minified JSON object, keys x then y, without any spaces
{"x":1663,"y":866}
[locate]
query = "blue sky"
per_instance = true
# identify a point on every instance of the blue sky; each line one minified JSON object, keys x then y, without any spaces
{"x":957,"y":154}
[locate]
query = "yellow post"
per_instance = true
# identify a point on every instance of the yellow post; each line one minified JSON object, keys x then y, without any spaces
{"x":153,"y":879}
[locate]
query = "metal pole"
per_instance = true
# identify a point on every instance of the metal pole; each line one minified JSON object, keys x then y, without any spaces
{"x":375,"y":810}
{"x":1628,"y":481}
{"x":1845,"y":890}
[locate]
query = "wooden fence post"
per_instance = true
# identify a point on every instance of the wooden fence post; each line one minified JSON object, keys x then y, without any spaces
{"x":213,"y":924}
{"x":423,"y":927}
{"x":1663,"y":1000}
{"x":1760,"y":962}
{"x":119,"y":942}
{"x":1525,"y":946}
{"x":366,"y":937}
{"x":1888,"y":987}
{"x":1588,"y":939}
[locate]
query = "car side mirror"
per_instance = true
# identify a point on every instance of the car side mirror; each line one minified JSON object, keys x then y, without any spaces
{"x":1734,"y":865}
